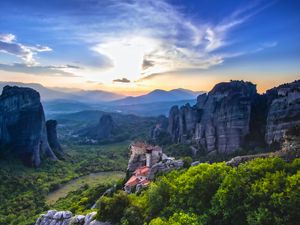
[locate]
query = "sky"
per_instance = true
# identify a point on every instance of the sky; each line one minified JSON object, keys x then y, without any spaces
{"x":134,"y":46}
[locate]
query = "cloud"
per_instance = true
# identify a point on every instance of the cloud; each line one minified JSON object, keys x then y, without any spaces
{"x":264,"y":46}
{"x":37,"y":70}
{"x":9,"y":45}
{"x":147,"y":64}
{"x":123,"y":80}
{"x":175,"y":41}
{"x":155,"y":36}
{"x":91,"y":82}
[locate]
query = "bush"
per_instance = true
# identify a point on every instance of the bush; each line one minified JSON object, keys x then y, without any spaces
{"x":112,"y":208}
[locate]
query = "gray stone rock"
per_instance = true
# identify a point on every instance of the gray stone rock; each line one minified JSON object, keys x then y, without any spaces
{"x":22,"y":124}
{"x":105,"y":127}
{"x":159,"y":129}
{"x":284,"y":110}
{"x":220,"y":119}
{"x":89,"y":218}
{"x":52,"y":135}
{"x":54,"y":217}
{"x":164,"y":167}
{"x":233,"y":115}
{"x":196,"y":163}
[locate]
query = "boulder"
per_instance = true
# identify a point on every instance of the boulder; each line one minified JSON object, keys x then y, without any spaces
{"x":53,"y":217}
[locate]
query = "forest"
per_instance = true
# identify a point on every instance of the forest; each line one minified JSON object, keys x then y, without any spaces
{"x":262,"y":191}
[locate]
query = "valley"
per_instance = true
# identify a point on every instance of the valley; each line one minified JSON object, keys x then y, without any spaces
{"x":149,"y":112}
{"x":92,"y":180}
{"x":34,"y":190}
{"x":127,"y":169}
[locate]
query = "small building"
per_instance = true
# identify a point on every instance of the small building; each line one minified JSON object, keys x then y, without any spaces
{"x":139,"y":177}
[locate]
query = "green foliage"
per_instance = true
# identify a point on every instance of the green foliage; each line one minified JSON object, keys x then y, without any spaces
{"x":187,"y":161}
{"x":178,"y":150}
{"x":81,"y":200}
{"x":262,"y":191}
{"x":113,"y":208}
{"x":177,"y":219}
{"x":23,"y":190}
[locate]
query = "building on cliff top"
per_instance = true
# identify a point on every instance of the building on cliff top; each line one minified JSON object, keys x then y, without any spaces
{"x":139,"y":177}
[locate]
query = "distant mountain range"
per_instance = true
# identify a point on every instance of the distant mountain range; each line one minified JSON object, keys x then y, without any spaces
{"x":50,"y":94}
{"x":159,"y":96}
{"x":66,"y":100}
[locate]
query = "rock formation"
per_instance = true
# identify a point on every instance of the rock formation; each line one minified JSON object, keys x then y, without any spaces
{"x":290,"y":149}
{"x":22,"y":125}
{"x":220,"y":119}
{"x":105,"y":127}
{"x":284,"y":111}
{"x":159,"y":129}
{"x":138,"y":155}
{"x":52,"y":135}
{"x":232,"y":114}
{"x":53,"y":217}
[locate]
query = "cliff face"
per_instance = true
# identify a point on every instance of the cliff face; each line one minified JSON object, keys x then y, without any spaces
{"x":220,"y":119}
{"x":233,"y":114}
{"x":284,"y":110}
{"x":22,"y":124}
{"x":159,"y":129}
{"x":52,"y":135}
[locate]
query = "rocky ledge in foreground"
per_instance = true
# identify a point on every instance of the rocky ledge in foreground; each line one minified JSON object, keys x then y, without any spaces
{"x":54,"y":217}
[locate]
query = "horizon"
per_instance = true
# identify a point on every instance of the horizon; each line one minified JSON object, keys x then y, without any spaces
{"x":137,"y":94}
{"x":135,"y":47}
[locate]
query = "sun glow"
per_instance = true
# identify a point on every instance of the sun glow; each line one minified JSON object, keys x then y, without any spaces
{"x":127,"y":55}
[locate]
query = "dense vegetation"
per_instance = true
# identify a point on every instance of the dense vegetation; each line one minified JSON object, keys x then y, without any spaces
{"x":74,"y":126}
{"x":262,"y":191}
{"x":23,"y":190}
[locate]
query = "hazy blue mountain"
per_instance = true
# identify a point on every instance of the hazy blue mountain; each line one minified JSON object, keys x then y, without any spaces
{"x":98,"y":96}
{"x":46,"y":93}
{"x":147,"y":109}
{"x":50,"y":94}
{"x":159,"y":96}
{"x":65,"y":106}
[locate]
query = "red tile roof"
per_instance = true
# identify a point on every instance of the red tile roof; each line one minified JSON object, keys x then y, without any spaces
{"x":133,"y":181}
{"x":142,"y":171}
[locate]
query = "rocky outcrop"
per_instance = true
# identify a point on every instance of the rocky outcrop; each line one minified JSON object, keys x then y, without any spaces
{"x":105,"y":127}
{"x":22,"y":125}
{"x":104,"y":132}
{"x":284,"y":110}
{"x":139,"y":151}
{"x":159,"y":130}
{"x":52,"y":135}
{"x":182,"y":122}
{"x":53,"y":217}
{"x":164,"y":167}
{"x":233,"y":115}
{"x":220,"y":119}
{"x":290,"y":149}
